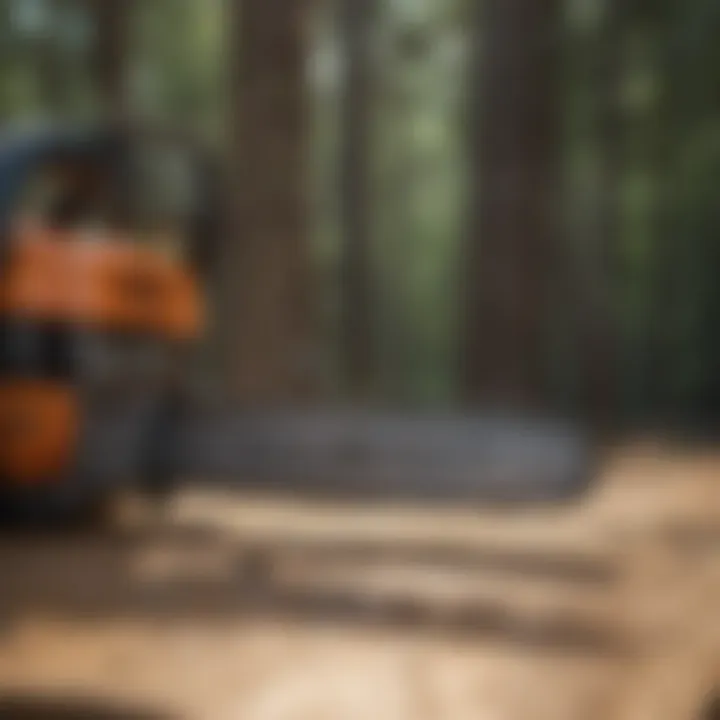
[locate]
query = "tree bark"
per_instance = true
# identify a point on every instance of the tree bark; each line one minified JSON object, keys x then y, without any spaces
{"x":111,"y":52}
{"x":50,"y":67}
{"x":666,"y":260}
{"x":267,"y":270}
{"x":599,"y":329}
{"x":357,"y":332}
{"x":513,"y":233}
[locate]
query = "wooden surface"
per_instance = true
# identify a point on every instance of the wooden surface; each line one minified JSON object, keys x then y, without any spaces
{"x":236,"y":607}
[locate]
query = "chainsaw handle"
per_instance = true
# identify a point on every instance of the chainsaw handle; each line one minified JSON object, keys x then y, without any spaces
{"x":21,"y":157}
{"x":107,"y":150}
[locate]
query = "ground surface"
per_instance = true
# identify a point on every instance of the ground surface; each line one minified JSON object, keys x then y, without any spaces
{"x":232,"y":607}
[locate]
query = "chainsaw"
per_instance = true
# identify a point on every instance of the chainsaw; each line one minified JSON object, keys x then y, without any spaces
{"x":107,"y":241}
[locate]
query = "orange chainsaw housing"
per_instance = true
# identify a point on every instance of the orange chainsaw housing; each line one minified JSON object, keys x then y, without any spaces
{"x":70,"y":280}
{"x":39,"y":427}
{"x":99,"y":281}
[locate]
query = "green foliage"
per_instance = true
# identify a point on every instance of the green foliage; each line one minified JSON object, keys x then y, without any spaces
{"x":178,"y":65}
{"x":667,"y":240}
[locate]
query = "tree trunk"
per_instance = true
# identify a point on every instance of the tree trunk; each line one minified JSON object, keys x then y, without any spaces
{"x":266,"y":279}
{"x":111,"y":52}
{"x":666,"y":260}
{"x":356,"y":330}
{"x":511,"y":254}
{"x":51,"y":67}
{"x":599,"y":329}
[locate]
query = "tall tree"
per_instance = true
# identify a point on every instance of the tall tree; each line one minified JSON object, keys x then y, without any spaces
{"x":683,"y":351}
{"x":676,"y":107}
{"x":599,"y":330}
{"x":357,"y":334}
{"x":112,"y":37}
{"x":266,"y":270}
{"x":511,"y":251}
{"x":51,"y":69}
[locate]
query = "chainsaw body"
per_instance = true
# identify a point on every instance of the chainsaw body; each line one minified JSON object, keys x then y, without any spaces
{"x":95,"y":320}
{"x":101,"y":303}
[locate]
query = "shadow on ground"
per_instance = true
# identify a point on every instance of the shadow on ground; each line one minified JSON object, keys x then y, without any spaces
{"x":40,"y":707}
{"x":712,"y":711}
{"x":92,"y":576}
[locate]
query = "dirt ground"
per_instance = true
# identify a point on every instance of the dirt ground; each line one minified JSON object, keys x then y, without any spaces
{"x":230,"y":607}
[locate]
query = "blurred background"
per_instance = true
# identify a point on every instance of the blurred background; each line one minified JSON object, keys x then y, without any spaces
{"x":428,"y":204}
{"x":432,"y":202}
